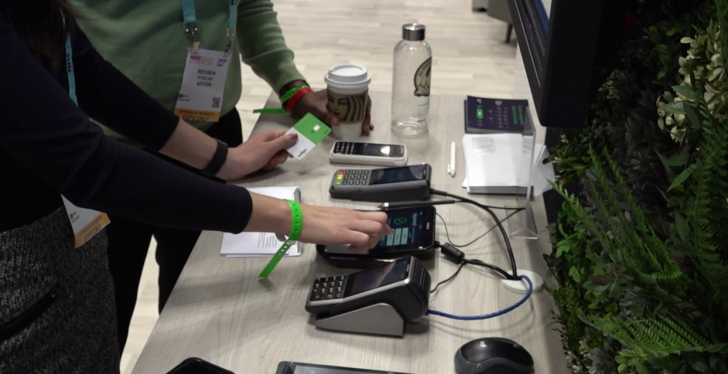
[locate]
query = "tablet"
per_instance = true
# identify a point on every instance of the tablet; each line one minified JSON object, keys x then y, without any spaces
{"x":288,"y":367}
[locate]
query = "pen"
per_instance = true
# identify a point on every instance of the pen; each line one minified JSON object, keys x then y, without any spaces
{"x":411,"y":204}
{"x":452,"y":167}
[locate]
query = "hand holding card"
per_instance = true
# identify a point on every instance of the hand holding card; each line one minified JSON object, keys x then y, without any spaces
{"x":311,"y":131}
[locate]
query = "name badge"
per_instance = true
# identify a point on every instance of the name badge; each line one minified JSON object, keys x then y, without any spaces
{"x":203,"y":84}
{"x":85,"y":222}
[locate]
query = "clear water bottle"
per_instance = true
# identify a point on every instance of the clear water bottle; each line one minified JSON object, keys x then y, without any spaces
{"x":411,"y":82}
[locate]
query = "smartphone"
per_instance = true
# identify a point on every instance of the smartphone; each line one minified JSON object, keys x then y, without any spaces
{"x":374,"y":154}
{"x":287,"y":367}
{"x":414,"y":235}
{"x":194,"y":365}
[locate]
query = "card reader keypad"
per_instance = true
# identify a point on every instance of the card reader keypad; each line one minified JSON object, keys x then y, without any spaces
{"x":346,"y":148}
{"x":353,"y":177}
{"x":329,"y":288}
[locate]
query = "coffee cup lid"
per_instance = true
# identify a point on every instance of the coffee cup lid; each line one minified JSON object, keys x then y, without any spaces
{"x":347,"y":76}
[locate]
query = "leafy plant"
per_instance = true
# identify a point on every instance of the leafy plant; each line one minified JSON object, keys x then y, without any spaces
{"x":641,"y":255}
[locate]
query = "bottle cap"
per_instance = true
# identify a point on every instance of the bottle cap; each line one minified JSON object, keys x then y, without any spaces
{"x":413,"y":31}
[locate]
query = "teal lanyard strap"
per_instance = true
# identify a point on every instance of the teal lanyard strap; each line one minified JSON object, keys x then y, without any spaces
{"x":69,"y":65}
{"x":192,"y":27}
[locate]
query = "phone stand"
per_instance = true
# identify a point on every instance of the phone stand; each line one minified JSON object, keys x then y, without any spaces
{"x":377,"y":319}
{"x":523,"y":224}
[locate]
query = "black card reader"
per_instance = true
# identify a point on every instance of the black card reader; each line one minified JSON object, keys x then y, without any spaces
{"x":406,"y":183}
{"x":378,"y":300}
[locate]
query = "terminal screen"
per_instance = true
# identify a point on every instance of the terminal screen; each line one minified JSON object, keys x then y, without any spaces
{"x":377,"y":277}
{"x":397,"y":175}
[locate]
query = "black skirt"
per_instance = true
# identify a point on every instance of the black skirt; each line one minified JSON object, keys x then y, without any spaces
{"x":57,"y":312}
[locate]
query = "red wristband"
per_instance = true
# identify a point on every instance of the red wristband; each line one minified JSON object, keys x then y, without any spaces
{"x":297,"y":96}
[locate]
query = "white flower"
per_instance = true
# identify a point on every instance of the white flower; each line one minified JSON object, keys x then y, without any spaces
{"x":687,"y":40}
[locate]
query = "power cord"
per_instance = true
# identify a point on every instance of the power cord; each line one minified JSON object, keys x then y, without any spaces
{"x":447,"y":231}
{"x":457,"y":256}
{"x":499,"y":224}
{"x":490,"y":315}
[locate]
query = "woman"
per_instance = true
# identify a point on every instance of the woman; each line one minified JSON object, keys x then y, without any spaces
{"x":56,"y":301}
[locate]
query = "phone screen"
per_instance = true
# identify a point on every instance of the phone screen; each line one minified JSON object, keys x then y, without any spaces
{"x":412,"y":229}
{"x":401,"y":174}
{"x":408,"y":226}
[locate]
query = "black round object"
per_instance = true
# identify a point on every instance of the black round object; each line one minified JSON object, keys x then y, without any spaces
{"x":493,"y":356}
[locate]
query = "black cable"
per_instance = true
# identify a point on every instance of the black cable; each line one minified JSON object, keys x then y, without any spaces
{"x":502,"y":230}
{"x":494,"y":269}
{"x":451,"y":277}
{"x":447,"y":232}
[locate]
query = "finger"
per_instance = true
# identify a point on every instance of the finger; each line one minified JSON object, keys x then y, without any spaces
{"x":279,"y":159}
{"x":278,"y":134}
{"x":284,"y":142}
{"x":371,"y":228}
{"x":359,"y":241}
{"x":380,"y":217}
{"x":330,"y":118}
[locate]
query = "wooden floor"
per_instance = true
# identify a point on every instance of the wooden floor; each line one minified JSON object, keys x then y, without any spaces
{"x":470,"y":57}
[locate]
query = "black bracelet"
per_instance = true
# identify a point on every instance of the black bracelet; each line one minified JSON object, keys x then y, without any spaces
{"x":218,"y":159}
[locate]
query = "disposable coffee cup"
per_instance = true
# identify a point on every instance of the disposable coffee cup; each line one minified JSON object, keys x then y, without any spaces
{"x":348,"y":88}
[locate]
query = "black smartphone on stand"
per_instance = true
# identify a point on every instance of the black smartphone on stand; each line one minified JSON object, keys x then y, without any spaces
{"x":414,"y":235}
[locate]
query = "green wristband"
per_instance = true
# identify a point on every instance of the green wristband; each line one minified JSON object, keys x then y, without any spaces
{"x":296,"y":226}
{"x":289,"y":94}
{"x":270,"y":111}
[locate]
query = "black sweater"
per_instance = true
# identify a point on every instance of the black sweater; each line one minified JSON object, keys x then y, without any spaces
{"x":48,"y":147}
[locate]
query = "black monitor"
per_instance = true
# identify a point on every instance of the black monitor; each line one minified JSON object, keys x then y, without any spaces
{"x":568,"y":53}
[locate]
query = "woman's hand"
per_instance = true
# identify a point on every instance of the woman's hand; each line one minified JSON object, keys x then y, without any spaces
{"x":315,"y":103}
{"x":264,"y":150}
{"x":321,"y":225}
{"x":340,"y":226}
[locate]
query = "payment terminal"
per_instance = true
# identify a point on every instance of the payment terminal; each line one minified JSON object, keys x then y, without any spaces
{"x":379,"y":300}
{"x":413,"y":235}
{"x":406,"y":183}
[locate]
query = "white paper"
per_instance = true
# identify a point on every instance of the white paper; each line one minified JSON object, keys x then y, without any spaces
{"x":492,"y":159}
{"x":543,"y":173}
{"x":258,"y":244}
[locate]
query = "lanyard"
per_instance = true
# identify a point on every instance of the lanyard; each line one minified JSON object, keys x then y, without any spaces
{"x":69,"y":66}
{"x":192,"y":27}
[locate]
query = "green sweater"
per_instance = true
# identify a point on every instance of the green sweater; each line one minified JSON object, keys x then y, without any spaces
{"x":146,"y":41}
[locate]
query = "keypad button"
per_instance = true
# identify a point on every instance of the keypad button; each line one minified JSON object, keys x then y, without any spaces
{"x":340,"y":283}
{"x":316,"y":297}
{"x":338,"y":289}
{"x":331,"y":290}
{"x":338,"y":295}
{"x":330,"y":296}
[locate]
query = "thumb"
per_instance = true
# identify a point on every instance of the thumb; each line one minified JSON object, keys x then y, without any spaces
{"x":324,"y":114}
{"x":285,"y":141}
